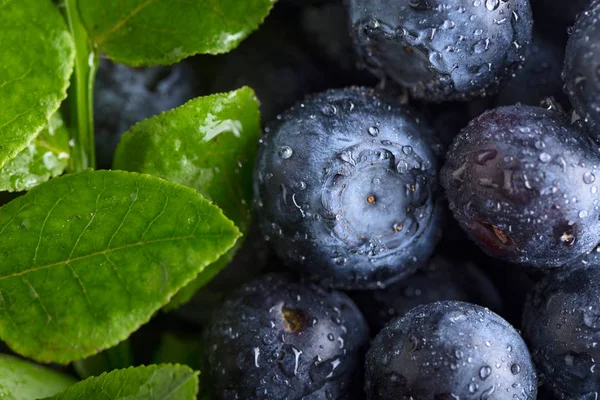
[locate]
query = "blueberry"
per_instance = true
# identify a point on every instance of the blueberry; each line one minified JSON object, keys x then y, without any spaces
{"x":540,"y":76}
{"x":561,"y":323}
{"x":522,"y":182}
{"x":449,"y":350}
{"x":125,"y":95}
{"x":582,"y":67}
{"x":441,"y":279}
{"x":346,"y":189}
{"x":277,"y":339}
{"x":442,"y":49}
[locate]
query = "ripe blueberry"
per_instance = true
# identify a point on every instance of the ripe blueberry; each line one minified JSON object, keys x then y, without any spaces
{"x":582,"y":67}
{"x":279,"y":339}
{"x":441,"y":279}
{"x":346,"y":189}
{"x":449,"y":350}
{"x":442,"y":49}
{"x":522,"y":182}
{"x":561,"y":323}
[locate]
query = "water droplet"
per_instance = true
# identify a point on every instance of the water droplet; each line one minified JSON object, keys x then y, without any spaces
{"x":492,"y":4}
{"x":545,"y":157}
{"x":515,"y":369}
{"x":373,"y":131}
{"x":448,"y":24}
{"x":589,"y":177}
{"x":285,"y":152}
{"x":484,"y":372}
{"x":407,"y":150}
{"x":473,"y":387}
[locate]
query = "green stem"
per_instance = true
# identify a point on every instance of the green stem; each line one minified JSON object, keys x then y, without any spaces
{"x":81,"y":93}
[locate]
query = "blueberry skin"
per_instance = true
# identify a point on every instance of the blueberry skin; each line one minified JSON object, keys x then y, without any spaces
{"x":521,"y":181}
{"x":276,"y":338}
{"x":441,"y":279}
{"x":346,"y":189}
{"x":124,"y":96}
{"x":582,"y":67}
{"x":449,"y":350}
{"x":442,"y":49}
{"x":561,"y":323}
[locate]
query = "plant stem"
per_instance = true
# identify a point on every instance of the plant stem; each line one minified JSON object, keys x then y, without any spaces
{"x":81,"y":93}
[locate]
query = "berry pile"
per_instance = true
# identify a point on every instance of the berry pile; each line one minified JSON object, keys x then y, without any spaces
{"x":438,"y":186}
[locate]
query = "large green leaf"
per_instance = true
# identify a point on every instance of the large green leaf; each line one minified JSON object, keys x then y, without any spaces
{"x":23,"y":380}
{"x":208,"y":144}
{"x":86,"y":258}
{"x":44,"y":158}
{"x":156,"y":382}
{"x":36,"y":62}
{"x":151,"y":32}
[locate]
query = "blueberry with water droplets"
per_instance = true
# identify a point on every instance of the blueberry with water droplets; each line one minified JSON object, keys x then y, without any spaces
{"x":582,"y":67}
{"x":442,"y":49}
{"x":522,"y":182}
{"x":441,"y":279}
{"x":125,"y":95}
{"x":276,"y":338}
{"x":449,"y":350}
{"x":561,"y":323}
{"x":346,"y":189}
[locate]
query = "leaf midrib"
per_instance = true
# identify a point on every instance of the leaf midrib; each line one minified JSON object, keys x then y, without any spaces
{"x":105,"y":252}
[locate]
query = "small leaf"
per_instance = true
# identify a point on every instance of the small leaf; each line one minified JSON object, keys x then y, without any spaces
{"x":118,"y":357}
{"x":86,"y":258}
{"x":208,"y":144}
{"x":44,"y":158}
{"x":155,"y":382}
{"x":36,"y":62}
{"x":179,"y":350}
{"x":153,"y":32}
{"x":24,"y":380}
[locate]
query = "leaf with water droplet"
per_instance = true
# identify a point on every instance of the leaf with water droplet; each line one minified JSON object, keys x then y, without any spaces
{"x":155,"y":382}
{"x":86,"y":258}
{"x":23,"y":380}
{"x":37,"y":61}
{"x":44,"y":158}
{"x":208,"y":144}
{"x":159,"y":32}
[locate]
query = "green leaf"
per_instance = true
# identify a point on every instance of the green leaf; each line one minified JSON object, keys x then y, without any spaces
{"x":153,"y":32}
{"x":36,"y":62}
{"x":176,"y":349}
{"x":118,"y":357}
{"x":156,"y":382}
{"x":23,"y":380}
{"x":208,"y":144}
{"x":44,"y":158}
{"x":86,"y":258}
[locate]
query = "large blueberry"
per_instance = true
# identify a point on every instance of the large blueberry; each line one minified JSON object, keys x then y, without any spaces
{"x":522,"y":182}
{"x":346,"y":189}
{"x":561,"y":323}
{"x":582,"y":67}
{"x":449,"y":350}
{"x":442,"y":49}
{"x":276,"y":338}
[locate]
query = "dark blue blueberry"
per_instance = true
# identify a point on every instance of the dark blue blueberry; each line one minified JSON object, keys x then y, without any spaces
{"x":346,"y":189}
{"x":278,"y":339}
{"x":582,"y":67}
{"x":125,"y":95}
{"x":561,"y":323}
{"x":540,"y":76}
{"x":449,"y":350}
{"x":442,"y":49}
{"x":522,"y":182}
{"x":441,"y":279}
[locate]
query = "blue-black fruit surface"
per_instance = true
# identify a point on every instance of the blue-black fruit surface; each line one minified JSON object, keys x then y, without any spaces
{"x":441,"y":279}
{"x":346,"y":189}
{"x":522,"y":182}
{"x":582,"y":67}
{"x":449,"y":350}
{"x":276,"y":338}
{"x":442,"y":49}
{"x":561,"y":323}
